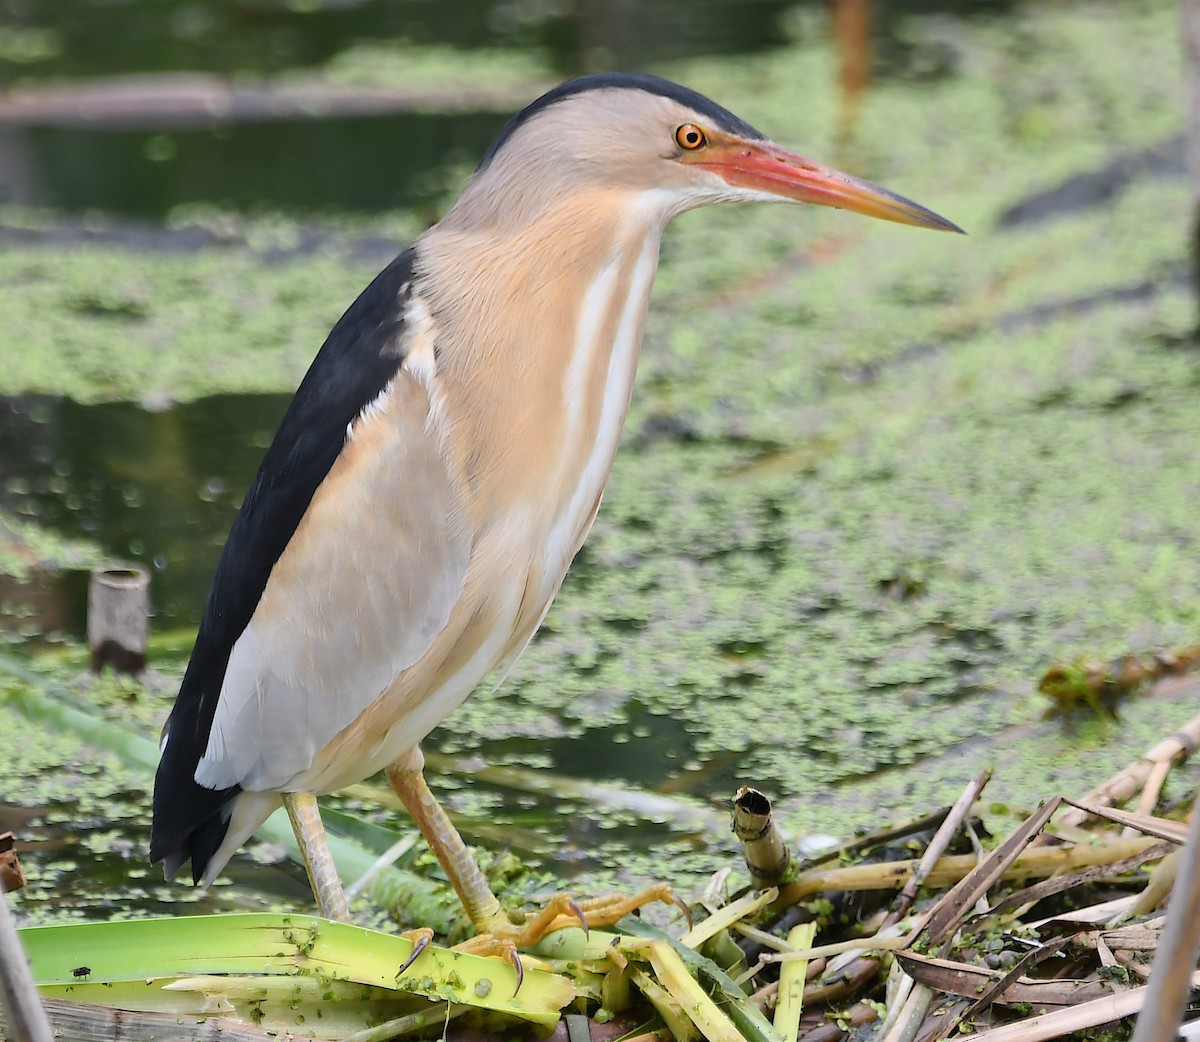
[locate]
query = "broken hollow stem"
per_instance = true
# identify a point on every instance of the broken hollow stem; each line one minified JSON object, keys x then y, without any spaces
{"x":763,"y":847}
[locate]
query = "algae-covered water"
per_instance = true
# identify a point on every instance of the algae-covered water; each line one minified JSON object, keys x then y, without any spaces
{"x":874,"y":481}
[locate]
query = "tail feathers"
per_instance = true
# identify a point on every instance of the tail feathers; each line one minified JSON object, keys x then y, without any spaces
{"x":211,"y":844}
{"x":197,"y":846}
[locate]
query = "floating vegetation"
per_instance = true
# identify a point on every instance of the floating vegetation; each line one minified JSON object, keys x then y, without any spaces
{"x":926,"y":928}
{"x":929,"y":928}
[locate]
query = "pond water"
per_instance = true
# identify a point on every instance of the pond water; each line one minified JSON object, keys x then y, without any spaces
{"x":157,"y":487}
{"x":137,"y":158}
{"x":74,"y":38}
{"x":840,"y":587}
{"x":132,"y":161}
{"x":161,"y":487}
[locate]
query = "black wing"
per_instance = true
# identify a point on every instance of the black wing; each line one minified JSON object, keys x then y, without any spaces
{"x":358,"y":359}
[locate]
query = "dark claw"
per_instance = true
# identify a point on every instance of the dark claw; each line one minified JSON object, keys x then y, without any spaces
{"x":683,"y":907}
{"x":419,"y":947}
{"x":577,"y":908}
{"x":514,"y":955}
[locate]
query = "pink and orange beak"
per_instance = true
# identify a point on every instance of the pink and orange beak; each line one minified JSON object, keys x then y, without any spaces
{"x":765,"y":167}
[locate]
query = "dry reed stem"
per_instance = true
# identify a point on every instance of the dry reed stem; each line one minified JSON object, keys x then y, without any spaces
{"x":937,"y":846}
{"x":1039,"y":861}
{"x":1073,"y":1018}
{"x":1132,"y":779}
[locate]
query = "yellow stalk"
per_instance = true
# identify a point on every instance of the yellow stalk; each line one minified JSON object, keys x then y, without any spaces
{"x":673,"y":975}
{"x":791,"y":984}
{"x":614,"y":990}
{"x":669,"y":1008}
{"x":727,"y":916}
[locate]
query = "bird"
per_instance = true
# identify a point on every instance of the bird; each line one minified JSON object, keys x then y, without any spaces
{"x":439,"y":467}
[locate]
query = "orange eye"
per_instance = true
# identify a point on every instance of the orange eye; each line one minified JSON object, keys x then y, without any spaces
{"x":690,"y":137}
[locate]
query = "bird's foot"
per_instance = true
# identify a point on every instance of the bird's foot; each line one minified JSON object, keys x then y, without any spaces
{"x":502,"y":935}
{"x":422,"y":938}
{"x":514,"y":930}
{"x":485,"y":944}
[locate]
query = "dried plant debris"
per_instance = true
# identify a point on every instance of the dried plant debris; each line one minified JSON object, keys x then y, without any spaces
{"x":1046,"y":932}
{"x":1050,"y":932}
{"x":917,"y":933}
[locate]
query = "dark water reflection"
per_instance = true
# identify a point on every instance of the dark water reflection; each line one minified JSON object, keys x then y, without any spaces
{"x":99,"y":37}
{"x":160,"y":488}
{"x":313,"y":166}
{"x":307,"y":161}
{"x":304,"y":162}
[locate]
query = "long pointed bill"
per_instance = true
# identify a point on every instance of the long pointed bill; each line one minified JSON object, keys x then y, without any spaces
{"x":765,"y":167}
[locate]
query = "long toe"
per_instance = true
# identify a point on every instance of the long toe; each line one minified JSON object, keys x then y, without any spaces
{"x":564,"y":910}
{"x":611,"y":908}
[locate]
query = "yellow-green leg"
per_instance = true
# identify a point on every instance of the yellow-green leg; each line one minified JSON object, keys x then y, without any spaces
{"x":447,"y":845}
{"x":323,"y":877}
{"x":497,"y":930}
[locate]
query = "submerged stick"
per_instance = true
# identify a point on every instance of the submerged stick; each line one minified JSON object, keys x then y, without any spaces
{"x":763,"y":847}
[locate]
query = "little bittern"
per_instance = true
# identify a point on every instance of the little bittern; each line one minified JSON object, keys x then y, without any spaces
{"x":442,"y":463}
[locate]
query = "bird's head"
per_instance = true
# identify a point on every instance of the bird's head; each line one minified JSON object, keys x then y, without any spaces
{"x":676,"y":148}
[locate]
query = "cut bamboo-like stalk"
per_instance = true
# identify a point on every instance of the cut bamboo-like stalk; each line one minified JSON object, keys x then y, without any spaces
{"x":766,"y":854}
{"x":118,"y":618}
